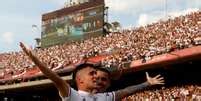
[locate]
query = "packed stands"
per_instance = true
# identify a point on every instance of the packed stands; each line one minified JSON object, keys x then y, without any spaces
{"x":127,"y":45}
{"x":184,"y":93}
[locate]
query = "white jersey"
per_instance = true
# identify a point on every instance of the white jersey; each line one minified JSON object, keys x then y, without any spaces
{"x":85,"y":96}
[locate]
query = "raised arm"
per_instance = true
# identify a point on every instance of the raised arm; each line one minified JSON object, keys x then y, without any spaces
{"x":60,"y":84}
{"x":120,"y":94}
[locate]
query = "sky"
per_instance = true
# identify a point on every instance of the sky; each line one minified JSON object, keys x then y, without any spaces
{"x":18,"y":16}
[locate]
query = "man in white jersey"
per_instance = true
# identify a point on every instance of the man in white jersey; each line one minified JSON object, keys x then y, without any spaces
{"x":91,"y":80}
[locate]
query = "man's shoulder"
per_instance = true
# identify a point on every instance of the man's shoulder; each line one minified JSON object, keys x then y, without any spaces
{"x":75,"y":95}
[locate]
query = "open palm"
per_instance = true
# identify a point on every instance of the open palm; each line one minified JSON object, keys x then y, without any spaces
{"x":155,"y":80}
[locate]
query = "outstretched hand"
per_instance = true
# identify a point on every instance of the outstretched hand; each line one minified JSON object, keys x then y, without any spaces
{"x":26,"y":50}
{"x":29,"y":53}
{"x":155,"y":80}
{"x":61,"y":85}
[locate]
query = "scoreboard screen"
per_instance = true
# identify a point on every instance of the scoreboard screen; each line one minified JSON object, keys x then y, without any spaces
{"x":61,"y":26}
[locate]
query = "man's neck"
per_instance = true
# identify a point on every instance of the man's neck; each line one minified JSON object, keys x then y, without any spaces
{"x":94,"y":91}
{"x":91,"y":91}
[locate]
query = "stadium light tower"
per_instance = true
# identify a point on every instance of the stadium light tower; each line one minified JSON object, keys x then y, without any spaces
{"x":67,"y":3}
{"x":166,"y":16}
{"x":37,"y":39}
{"x":35,"y":27}
{"x":106,"y":14}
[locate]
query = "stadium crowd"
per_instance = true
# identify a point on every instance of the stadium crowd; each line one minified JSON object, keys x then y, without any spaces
{"x":127,"y":45}
{"x":175,"y":93}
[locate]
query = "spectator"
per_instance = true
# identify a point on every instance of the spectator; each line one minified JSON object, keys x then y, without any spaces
{"x":91,"y":81}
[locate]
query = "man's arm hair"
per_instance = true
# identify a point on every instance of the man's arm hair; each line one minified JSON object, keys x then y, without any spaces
{"x":120,"y":94}
{"x":157,"y":80}
{"x":60,"y":84}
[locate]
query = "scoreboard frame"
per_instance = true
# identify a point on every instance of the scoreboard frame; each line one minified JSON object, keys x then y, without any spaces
{"x":73,"y":23}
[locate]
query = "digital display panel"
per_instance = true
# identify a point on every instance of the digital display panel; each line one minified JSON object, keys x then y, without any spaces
{"x":81,"y":24}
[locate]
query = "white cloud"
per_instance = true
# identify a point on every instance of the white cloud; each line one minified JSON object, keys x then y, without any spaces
{"x":125,"y":6}
{"x":7,"y":37}
{"x":194,"y":3}
{"x":183,"y":12}
{"x":148,"y":18}
{"x":142,"y":19}
{"x":152,"y":17}
{"x":59,"y":2}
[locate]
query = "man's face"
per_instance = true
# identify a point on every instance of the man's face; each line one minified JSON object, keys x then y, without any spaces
{"x":94,"y":79}
{"x":103,"y":80}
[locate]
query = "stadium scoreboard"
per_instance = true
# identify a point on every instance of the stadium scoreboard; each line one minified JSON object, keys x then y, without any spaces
{"x":79,"y":21}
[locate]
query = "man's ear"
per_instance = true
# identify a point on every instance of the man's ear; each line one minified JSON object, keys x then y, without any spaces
{"x":79,"y":80}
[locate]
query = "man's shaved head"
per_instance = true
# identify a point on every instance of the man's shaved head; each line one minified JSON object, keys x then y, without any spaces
{"x":89,"y":76}
{"x":80,"y":67}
